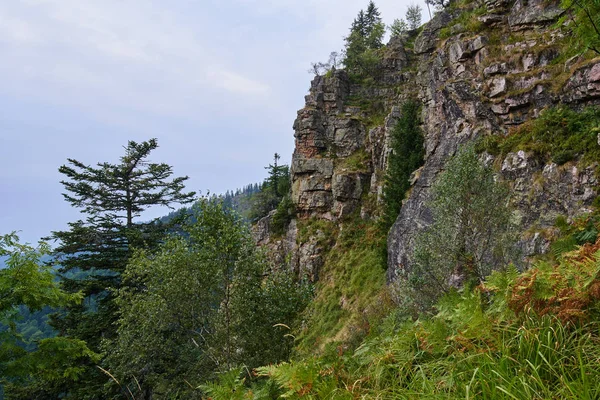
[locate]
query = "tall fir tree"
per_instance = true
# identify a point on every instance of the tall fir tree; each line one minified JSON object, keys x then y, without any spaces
{"x":405,"y":157}
{"x":112,"y":197}
{"x":366,"y":35}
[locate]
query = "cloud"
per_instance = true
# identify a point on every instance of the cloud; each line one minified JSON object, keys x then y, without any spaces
{"x":17,"y":31}
{"x":131,"y":54}
{"x":236,"y":83}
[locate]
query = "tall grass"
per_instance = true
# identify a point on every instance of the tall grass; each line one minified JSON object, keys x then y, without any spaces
{"x":520,"y":336}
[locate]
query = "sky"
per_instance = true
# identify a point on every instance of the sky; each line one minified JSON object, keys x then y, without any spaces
{"x":217,"y":82}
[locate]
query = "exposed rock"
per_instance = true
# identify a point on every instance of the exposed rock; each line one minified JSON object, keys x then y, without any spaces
{"x":497,"y":86}
{"x":468,"y":88}
{"x":584,"y":84}
{"x":491,"y":19}
{"x":528,"y":12}
{"x":494,"y":69}
{"x":427,"y":39}
{"x":497,"y":6}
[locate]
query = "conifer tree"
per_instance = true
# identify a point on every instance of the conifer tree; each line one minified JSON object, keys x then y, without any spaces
{"x":273,"y":189}
{"x":413,"y":16}
{"x":366,"y":35}
{"x":112,"y":197}
{"x":405,"y":157}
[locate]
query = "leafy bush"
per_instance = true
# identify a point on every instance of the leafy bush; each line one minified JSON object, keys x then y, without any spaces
{"x":518,"y":336}
{"x":472,"y":233}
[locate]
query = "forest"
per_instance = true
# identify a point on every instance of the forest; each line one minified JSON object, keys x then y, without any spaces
{"x":216,"y":300}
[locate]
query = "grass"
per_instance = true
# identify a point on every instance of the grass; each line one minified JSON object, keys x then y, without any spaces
{"x":356,"y":162}
{"x":351,"y":290}
{"x":531,"y":335}
{"x":468,"y":19}
{"x":559,"y":135}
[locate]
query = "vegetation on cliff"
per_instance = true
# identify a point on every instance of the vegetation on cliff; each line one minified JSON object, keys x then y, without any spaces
{"x":406,"y":156}
{"x":516,"y":336}
{"x":191,"y":307}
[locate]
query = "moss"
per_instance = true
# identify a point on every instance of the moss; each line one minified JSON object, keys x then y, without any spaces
{"x":356,"y":162}
{"x":468,"y":19}
{"x":323,"y":229}
{"x":373,"y":109}
{"x":559,"y":135}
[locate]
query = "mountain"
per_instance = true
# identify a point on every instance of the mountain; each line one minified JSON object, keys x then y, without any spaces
{"x":501,"y":75}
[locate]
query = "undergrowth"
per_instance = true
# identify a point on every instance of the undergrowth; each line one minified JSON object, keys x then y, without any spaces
{"x":559,"y":135}
{"x":530,"y":335}
{"x":351,"y":289}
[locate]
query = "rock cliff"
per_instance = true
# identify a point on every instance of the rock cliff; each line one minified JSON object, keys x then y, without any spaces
{"x":478,"y":72}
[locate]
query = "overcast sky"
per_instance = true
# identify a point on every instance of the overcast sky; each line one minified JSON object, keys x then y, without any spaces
{"x":217,"y":82}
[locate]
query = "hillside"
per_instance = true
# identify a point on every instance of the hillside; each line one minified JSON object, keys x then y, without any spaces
{"x":483,"y":73}
{"x":435,"y":236}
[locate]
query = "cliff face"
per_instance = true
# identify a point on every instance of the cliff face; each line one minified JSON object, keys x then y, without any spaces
{"x":471,"y":85}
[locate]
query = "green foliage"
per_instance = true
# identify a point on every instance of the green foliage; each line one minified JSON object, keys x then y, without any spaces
{"x":272,"y":191}
{"x":559,"y":134}
{"x":285,"y":212}
{"x":583,"y":230}
{"x":350,"y":293}
{"x":356,"y":162}
{"x":502,"y":340}
{"x":25,"y":282}
{"x":361,"y":55}
{"x":407,"y":152}
{"x":413,"y":16}
{"x":202,"y":303}
{"x":472,"y":232}
{"x":398,"y":28}
{"x":373,"y":109}
{"x":467,"y":19}
{"x":112,"y":197}
{"x":584,"y":18}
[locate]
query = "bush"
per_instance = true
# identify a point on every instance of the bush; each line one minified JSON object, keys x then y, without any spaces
{"x":472,"y":232}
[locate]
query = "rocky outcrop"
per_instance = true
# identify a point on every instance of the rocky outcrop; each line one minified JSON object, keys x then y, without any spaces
{"x":471,"y":88}
{"x":471,"y":85}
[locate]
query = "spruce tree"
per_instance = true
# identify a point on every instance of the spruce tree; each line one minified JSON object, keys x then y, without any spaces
{"x":372,"y":18}
{"x":413,"y":16}
{"x":406,"y":156}
{"x":366,"y":35}
{"x":112,"y":197}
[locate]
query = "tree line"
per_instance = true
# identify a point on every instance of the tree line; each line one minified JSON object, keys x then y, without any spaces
{"x":145,"y":309}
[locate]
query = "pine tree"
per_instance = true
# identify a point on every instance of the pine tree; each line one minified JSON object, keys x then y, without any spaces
{"x":413,"y":16}
{"x":112,"y":196}
{"x":272,"y":190}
